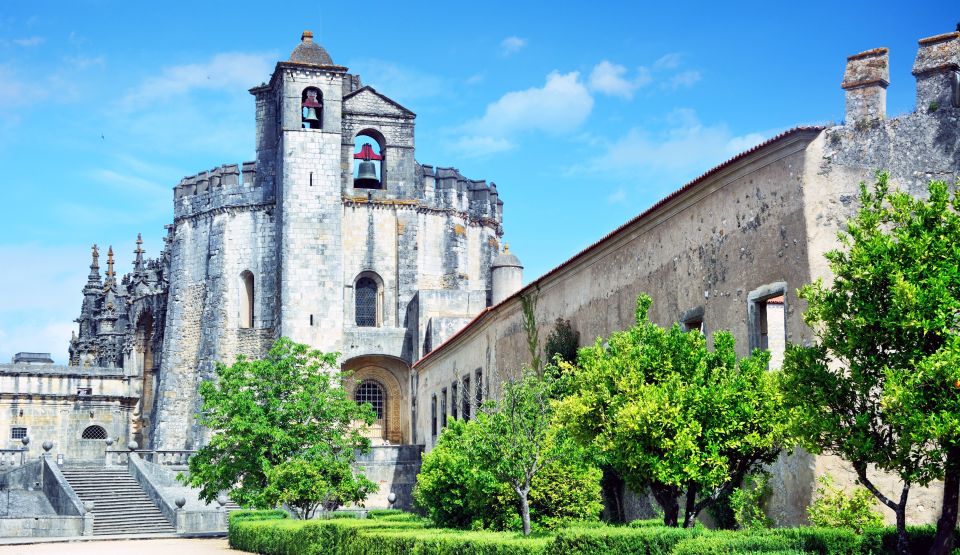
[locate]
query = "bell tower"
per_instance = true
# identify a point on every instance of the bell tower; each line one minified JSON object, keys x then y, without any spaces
{"x":298,"y":150}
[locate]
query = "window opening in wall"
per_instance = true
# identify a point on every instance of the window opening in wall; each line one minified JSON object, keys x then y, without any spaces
{"x":311,"y":108}
{"x":433,"y":416}
{"x":453,"y":400}
{"x":767,"y":317}
{"x":443,"y":408}
{"x":466,"y":398}
{"x":371,"y":392}
{"x":94,"y":432}
{"x":368,"y":162}
{"x":479,"y":377}
{"x":18,"y":433}
{"x":84,"y":391}
{"x":246,"y":300}
{"x":366,"y":302}
{"x":692,"y":320}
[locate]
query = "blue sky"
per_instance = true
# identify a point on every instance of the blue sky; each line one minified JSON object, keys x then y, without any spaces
{"x":583,"y":117}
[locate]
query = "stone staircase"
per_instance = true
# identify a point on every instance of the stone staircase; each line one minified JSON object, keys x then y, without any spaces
{"x":120,"y":504}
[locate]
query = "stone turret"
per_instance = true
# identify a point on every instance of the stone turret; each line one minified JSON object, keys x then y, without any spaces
{"x":507,"y":275}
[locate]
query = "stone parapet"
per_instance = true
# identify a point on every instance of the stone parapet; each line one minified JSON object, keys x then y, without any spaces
{"x":227,"y":186}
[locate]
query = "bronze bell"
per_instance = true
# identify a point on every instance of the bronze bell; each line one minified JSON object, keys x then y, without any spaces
{"x":311,"y":116}
{"x":367,"y":172}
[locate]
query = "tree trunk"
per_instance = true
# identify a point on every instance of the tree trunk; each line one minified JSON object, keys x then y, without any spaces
{"x":899,"y":509}
{"x":666,"y":497}
{"x":524,"y":510}
{"x":903,"y":544}
{"x":947,"y":523}
{"x":612,"y":485}
{"x":690,"y":511}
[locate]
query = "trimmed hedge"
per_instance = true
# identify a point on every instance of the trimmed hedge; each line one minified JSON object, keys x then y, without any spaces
{"x":615,"y":540}
{"x":397,"y":533}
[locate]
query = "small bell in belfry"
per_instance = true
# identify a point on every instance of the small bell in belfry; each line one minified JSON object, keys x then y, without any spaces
{"x":311,"y":109}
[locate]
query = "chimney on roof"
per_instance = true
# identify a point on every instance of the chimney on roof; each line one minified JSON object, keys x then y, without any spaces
{"x":866,"y":80}
{"x":937,"y":69}
{"x":307,"y":36}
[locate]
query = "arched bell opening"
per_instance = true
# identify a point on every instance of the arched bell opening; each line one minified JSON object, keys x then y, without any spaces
{"x":368,"y":160}
{"x":311,"y":108}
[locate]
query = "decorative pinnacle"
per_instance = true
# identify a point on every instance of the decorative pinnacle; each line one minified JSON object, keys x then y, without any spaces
{"x":110,"y":262}
{"x":138,"y":263}
{"x":96,"y":256}
{"x":506,"y":247}
{"x":307,"y":36}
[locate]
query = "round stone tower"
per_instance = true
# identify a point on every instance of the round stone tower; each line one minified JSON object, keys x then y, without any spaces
{"x":507,"y":275}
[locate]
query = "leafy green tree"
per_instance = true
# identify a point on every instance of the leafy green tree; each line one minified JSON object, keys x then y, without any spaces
{"x":563,"y":341}
{"x":456,"y":489}
{"x":879,"y":385}
{"x":453,"y":488}
{"x":513,"y":435}
{"x":834,"y":508}
{"x":748,"y":501}
{"x":307,"y":484}
{"x":284,"y":431}
{"x":668,"y":414}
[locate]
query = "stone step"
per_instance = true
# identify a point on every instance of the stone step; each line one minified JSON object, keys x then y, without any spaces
{"x":120,"y":504}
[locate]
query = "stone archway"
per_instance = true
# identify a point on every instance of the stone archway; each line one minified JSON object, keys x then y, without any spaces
{"x":390,"y":429}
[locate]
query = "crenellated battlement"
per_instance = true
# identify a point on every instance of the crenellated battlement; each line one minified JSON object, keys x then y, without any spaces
{"x":229,"y":185}
{"x":448,"y":189}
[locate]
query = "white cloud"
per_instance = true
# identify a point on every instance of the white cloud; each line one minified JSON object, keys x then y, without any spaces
{"x":476,"y":78}
{"x":672,"y":156}
{"x":683,"y":79}
{"x":30,"y":41}
{"x":479,"y":146}
{"x":397,"y":81}
{"x":668,"y":61}
{"x":16,"y":90}
{"x":512,"y":45}
{"x":609,"y":78}
{"x":559,"y":106}
{"x":617,"y":196}
{"x":226,"y":71}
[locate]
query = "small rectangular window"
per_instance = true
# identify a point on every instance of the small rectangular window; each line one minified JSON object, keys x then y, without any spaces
{"x":84,"y":391}
{"x":433,"y":416}
{"x":443,"y":408}
{"x":18,"y":433}
{"x":466,"y":398}
{"x":767,"y":315}
{"x":453,"y":400}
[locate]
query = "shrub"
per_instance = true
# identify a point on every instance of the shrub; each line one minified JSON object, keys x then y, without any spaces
{"x":834,"y":508}
{"x":748,"y":501}
{"x":266,"y":514}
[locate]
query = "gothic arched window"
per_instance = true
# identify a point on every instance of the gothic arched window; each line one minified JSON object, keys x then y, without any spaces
{"x":94,"y":432}
{"x":366,"y":292}
{"x":371,"y":392}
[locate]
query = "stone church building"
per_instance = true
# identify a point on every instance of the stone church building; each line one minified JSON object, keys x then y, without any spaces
{"x":335,"y":236}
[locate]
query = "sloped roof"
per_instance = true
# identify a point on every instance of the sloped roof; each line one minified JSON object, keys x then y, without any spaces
{"x":643,"y":215}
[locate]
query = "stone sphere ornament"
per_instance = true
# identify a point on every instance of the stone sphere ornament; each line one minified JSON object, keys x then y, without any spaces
{"x":88,"y":506}
{"x":222,"y":499}
{"x":132,"y":445}
{"x":109,"y":441}
{"x":392,"y":498}
{"x":25,"y":440}
{"x":47,"y":445}
{"x":181,"y":501}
